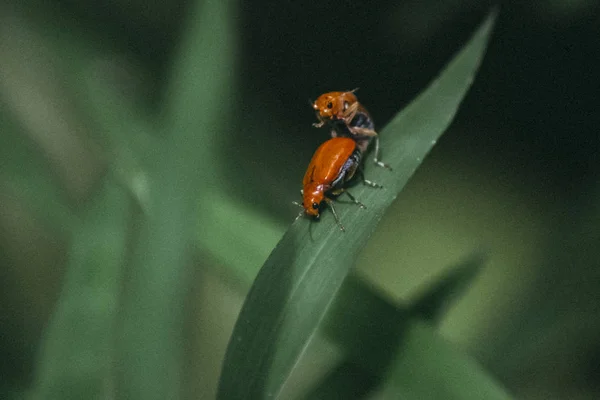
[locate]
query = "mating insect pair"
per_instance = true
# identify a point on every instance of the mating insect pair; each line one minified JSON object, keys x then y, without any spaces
{"x":335,"y":163}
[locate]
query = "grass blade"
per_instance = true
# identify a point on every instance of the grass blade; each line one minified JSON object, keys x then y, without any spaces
{"x":347,"y":381}
{"x":426,"y":367}
{"x":75,"y":357}
{"x":433,"y":303}
{"x":303,"y":273}
{"x":358,"y":310}
{"x":25,"y":174}
{"x":151,"y":342}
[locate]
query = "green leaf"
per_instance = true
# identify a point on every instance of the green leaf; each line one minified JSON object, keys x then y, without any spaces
{"x":426,"y":367}
{"x":303,"y":273}
{"x":75,"y":357}
{"x":436,"y":299}
{"x":220,"y":226}
{"x":25,"y":174}
{"x":150,"y":337}
{"x":358,"y":308}
{"x":364,"y":325}
{"x":367,"y":329}
{"x":346,"y":381}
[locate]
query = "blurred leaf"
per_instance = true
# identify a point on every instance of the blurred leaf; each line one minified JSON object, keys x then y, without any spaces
{"x":12,"y":394}
{"x":25,"y":172}
{"x":203,"y":75}
{"x":364,"y":325}
{"x":359,"y":312}
{"x":347,"y":381}
{"x":76,"y":351}
{"x":151,"y":342}
{"x":426,"y":367}
{"x":219,"y":227}
{"x":367,"y":327}
{"x":301,"y":277}
{"x":32,"y":88}
{"x":435,"y":300}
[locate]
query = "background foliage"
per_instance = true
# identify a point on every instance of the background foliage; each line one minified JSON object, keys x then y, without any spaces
{"x":99,"y":104}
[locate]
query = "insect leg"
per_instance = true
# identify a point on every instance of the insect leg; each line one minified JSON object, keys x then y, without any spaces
{"x":335,"y":215}
{"x":359,"y":131}
{"x":376,"y":159}
{"x":368,"y":182}
{"x":361,"y":205}
{"x":350,"y":113}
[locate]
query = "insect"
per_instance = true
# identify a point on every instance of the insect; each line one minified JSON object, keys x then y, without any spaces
{"x":330,"y":172}
{"x":346,"y":117}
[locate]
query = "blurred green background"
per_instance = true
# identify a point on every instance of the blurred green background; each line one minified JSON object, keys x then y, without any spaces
{"x":92,"y":92}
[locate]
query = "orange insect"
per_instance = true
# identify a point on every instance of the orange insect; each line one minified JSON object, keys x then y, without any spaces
{"x":347,"y":118}
{"x":329,"y":174}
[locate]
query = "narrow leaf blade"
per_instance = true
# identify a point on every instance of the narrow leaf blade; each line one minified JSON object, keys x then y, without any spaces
{"x":302,"y":275}
{"x":75,"y":356}
{"x":426,"y":367}
{"x":150,"y":342}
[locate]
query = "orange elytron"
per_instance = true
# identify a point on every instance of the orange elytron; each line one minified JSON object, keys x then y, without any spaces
{"x":331,"y":169}
{"x":346,"y":117}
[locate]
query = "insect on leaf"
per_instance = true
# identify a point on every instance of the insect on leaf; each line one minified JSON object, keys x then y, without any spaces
{"x":302,"y":275}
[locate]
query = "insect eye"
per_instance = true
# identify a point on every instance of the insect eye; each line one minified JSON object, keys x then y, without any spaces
{"x":315,"y":205}
{"x":330,"y":105}
{"x":345,"y":105}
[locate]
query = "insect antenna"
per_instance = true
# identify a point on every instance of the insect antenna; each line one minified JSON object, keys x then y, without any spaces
{"x":301,"y":212}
